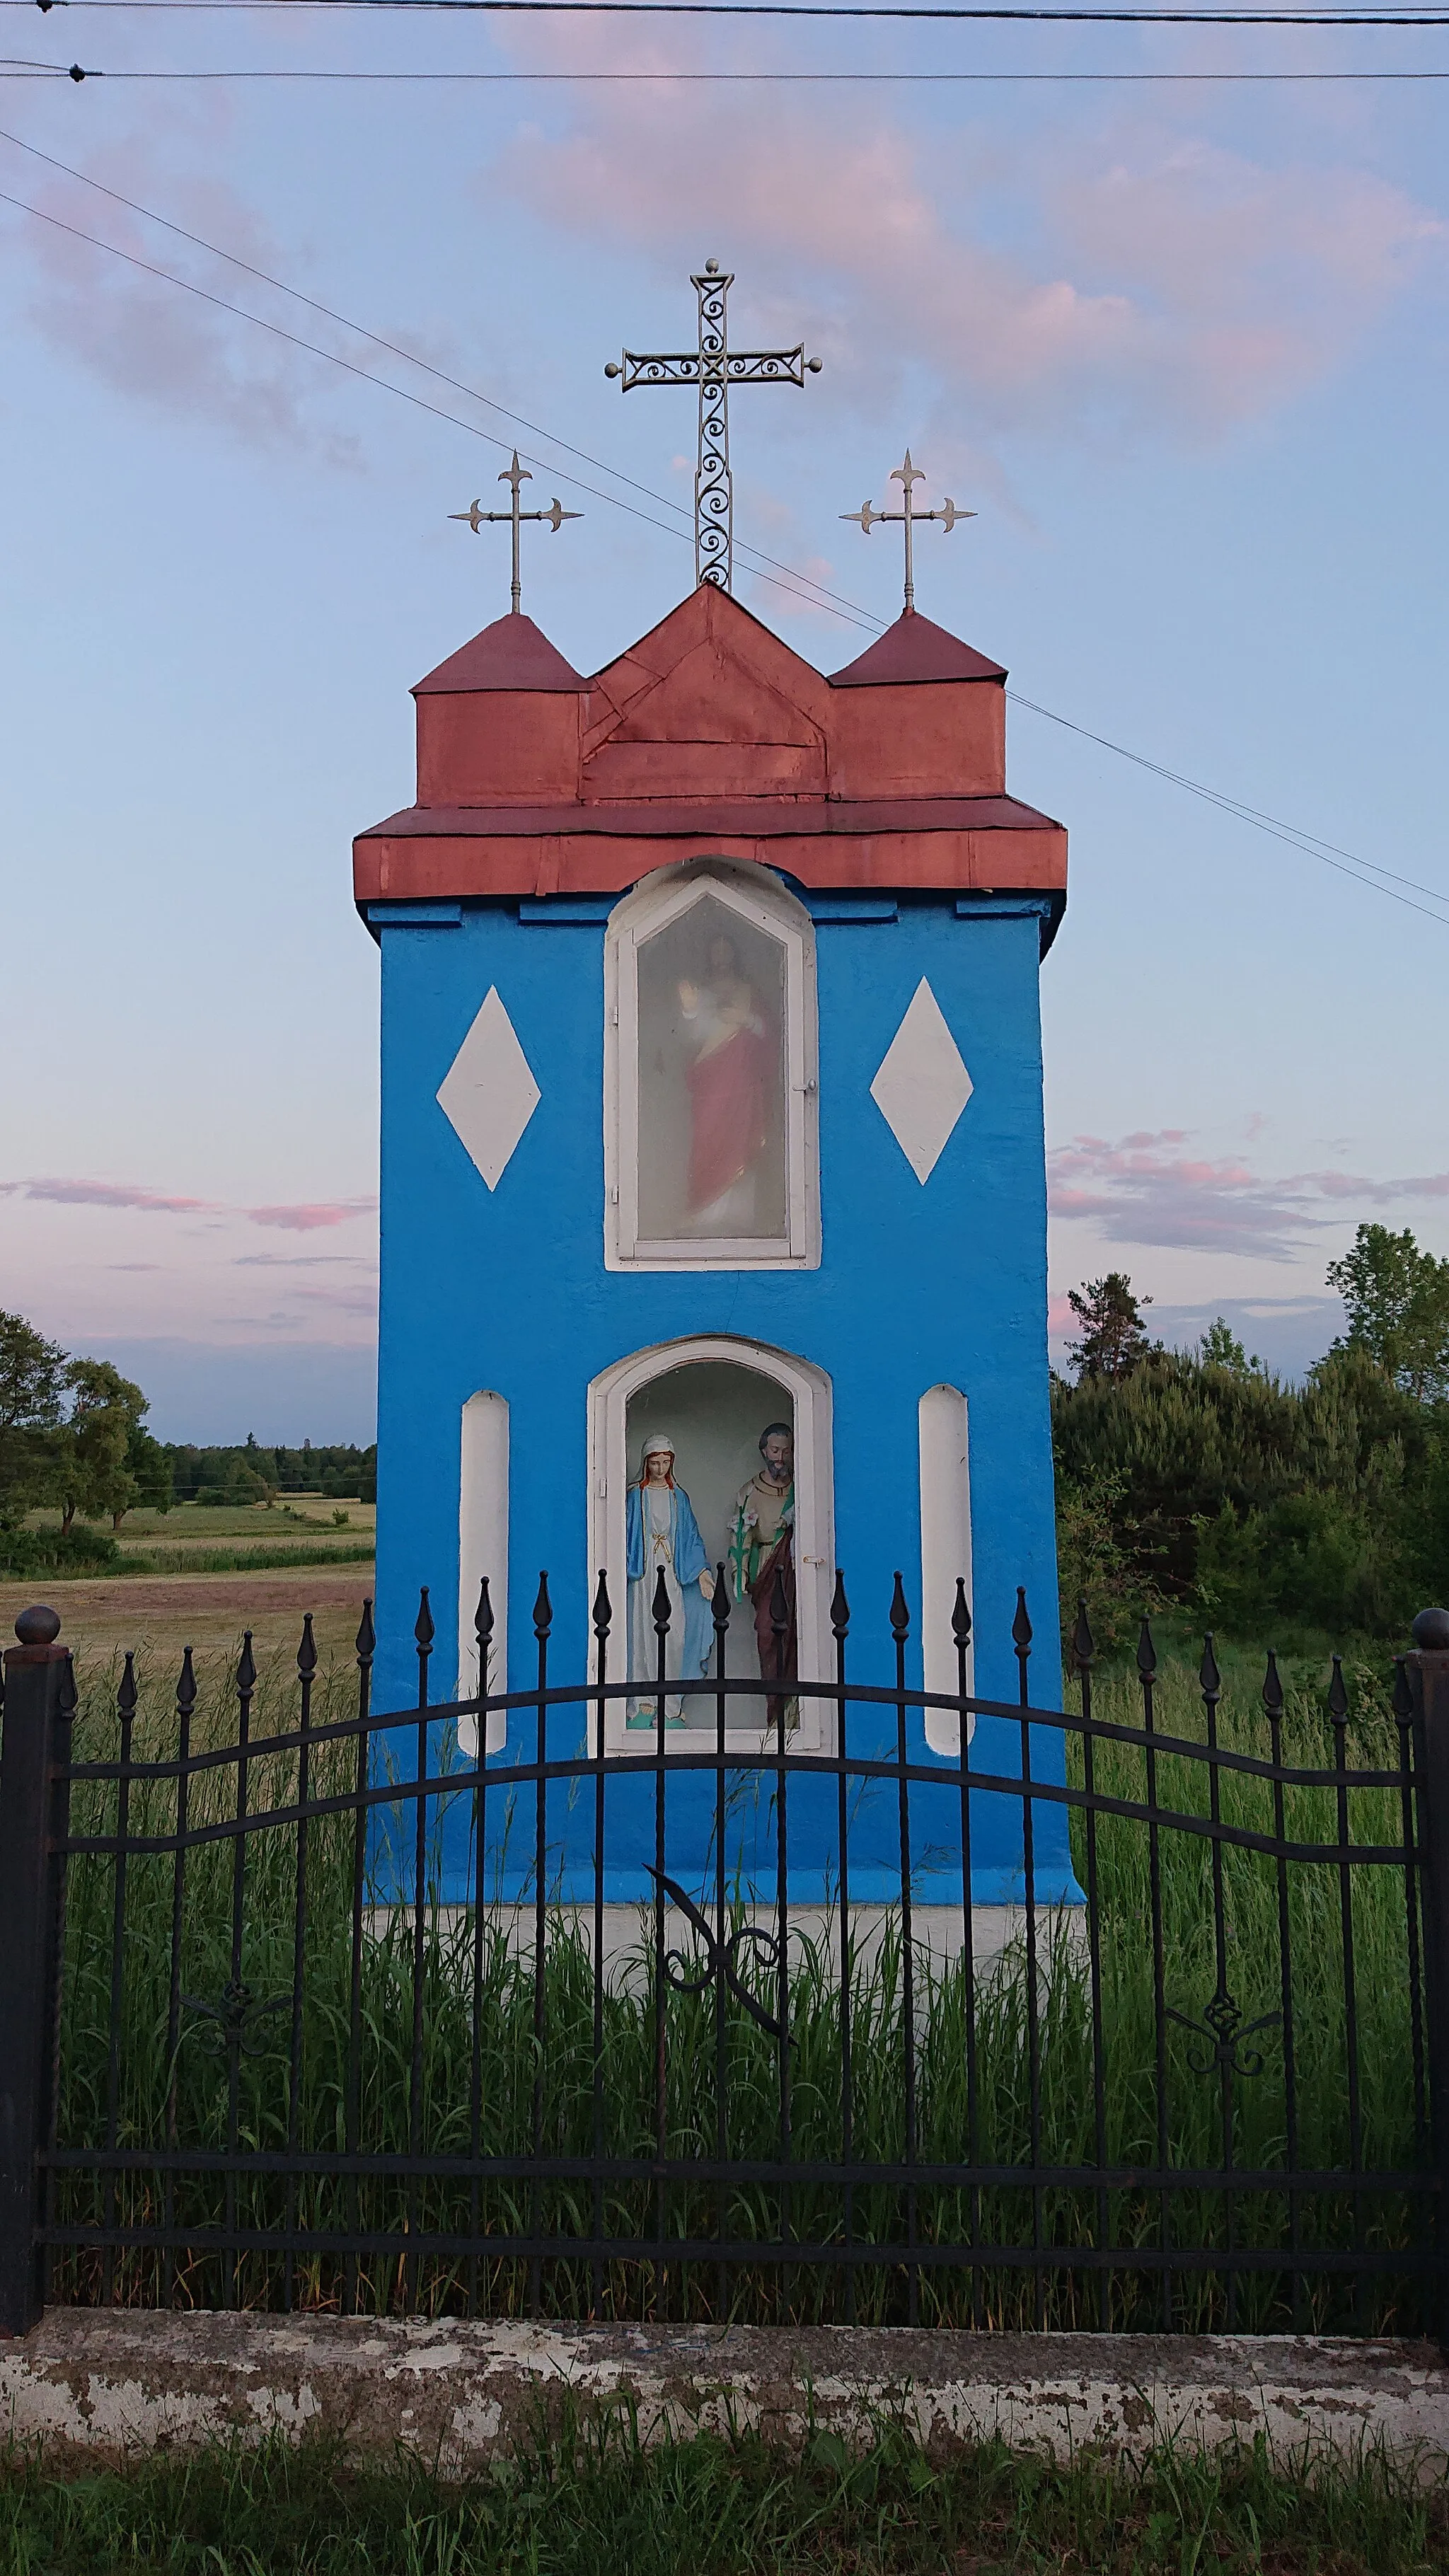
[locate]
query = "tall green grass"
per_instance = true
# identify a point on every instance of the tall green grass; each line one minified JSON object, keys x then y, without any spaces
{"x":506,"y":2064}
{"x":583,"y":2499}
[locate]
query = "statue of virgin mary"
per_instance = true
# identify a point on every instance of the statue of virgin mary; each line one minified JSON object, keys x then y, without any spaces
{"x":663,"y":1535}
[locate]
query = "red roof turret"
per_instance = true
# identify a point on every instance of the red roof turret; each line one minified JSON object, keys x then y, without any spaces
{"x":709,"y":737}
{"x":512,"y":653}
{"x":914,"y":649}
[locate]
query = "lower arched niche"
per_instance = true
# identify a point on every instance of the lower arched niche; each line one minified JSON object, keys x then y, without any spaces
{"x":714,"y":1397}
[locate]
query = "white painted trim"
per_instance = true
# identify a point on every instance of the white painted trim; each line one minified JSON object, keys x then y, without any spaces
{"x":810,"y":1393}
{"x":764,"y":903}
{"x":945,"y":1553}
{"x":482,"y":1549}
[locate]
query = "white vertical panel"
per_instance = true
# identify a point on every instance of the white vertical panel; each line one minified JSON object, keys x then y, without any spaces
{"x":945,"y":1552}
{"x":483,"y":1549}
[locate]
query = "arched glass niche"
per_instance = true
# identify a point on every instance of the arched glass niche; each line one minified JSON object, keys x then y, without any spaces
{"x":710,"y":1075}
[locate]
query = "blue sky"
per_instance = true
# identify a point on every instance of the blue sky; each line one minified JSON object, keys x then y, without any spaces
{"x":1182,"y":347}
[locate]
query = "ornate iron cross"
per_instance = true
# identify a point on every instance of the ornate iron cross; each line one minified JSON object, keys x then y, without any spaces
{"x":714,"y":367}
{"x":866,"y":518}
{"x":516,"y":475}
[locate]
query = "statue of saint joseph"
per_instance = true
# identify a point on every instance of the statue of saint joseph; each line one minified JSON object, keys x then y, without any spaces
{"x":762,"y":1545}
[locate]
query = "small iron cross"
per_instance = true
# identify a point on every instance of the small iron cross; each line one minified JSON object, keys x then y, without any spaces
{"x":866,"y":518}
{"x":516,"y":475}
{"x":714,"y":367}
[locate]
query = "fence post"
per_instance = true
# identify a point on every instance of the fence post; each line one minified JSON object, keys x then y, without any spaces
{"x":1428,"y":1670}
{"x":35,"y":1748}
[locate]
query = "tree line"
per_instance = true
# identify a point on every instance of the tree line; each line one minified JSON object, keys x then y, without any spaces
{"x":73,"y":1439}
{"x":1200,"y":1480}
{"x":251,"y":1474}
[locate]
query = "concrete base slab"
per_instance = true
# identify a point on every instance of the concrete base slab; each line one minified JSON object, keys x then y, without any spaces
{"x":938,"y":1935}
{"x":114,"y":2382}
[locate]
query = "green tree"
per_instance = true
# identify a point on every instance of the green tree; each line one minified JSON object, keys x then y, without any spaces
{"x":148,"y":1465}
{"x":32,"y":1388}
{"x":1114,"y":1337}
{"x":1221,"y":1348}
{"x":95,"y":1474}
{"x":1397,"y":1300}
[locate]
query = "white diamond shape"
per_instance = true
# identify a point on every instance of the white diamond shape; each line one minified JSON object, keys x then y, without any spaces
{"x":922,"y":1086}
{"x":488,"y":1093}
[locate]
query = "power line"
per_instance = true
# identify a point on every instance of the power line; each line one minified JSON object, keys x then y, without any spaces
{"x":1343,"y":862}
{"x":797,"y":587}
{"x":935,"y":80}
{"x":1328,"y":852}
{"x":848,"y":9}
{"x":842,"y":607}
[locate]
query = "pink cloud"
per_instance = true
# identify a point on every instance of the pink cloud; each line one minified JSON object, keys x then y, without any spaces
{"x":151,"y":339}
{"x":1139,"y":273}
{"x":303,"y":1216}
{"x":1141,"y":1189}
{"x":108,"y":1194}
{"x":311,"y":1214}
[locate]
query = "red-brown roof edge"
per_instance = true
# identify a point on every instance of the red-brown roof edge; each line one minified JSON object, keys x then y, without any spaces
{"x":512,"y":653}
{"x":915,"y":648}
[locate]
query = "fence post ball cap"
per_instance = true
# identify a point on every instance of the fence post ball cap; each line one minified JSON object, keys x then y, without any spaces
{"x":38,"y":1626}
{"x":1430,"y":1631}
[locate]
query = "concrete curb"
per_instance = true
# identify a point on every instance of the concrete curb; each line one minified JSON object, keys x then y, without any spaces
{"x":114,"y":2382}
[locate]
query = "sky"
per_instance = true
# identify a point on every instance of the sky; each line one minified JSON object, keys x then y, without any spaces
{"x":1180,"y":344}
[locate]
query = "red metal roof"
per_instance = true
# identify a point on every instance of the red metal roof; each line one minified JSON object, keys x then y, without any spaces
{"x":710,"y":735}
{"x":915,"y":649}
{"x":512,"y":653}
{"x":842,"y":817}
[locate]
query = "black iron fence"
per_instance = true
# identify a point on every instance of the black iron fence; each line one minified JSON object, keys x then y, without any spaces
{"x":298,"y":2008}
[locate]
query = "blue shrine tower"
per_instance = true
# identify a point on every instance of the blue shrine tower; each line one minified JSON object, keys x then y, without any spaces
{"x":713,"y":1196}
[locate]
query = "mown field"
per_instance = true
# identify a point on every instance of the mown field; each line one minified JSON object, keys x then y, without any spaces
{"x":200,"y":1573}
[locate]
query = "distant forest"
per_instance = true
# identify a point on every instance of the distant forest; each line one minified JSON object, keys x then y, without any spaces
{"x":251,"y":1474}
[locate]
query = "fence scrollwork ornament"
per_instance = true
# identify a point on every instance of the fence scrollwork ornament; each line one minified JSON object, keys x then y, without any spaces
{"x":721,"y":1957}
{"x":1223,"y":2026}
{"x":232,"y":2023}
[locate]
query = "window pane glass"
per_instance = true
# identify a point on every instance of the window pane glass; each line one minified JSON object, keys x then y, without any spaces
{"x":712,"y":1079}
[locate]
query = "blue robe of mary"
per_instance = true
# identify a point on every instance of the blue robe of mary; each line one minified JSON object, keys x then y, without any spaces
{"x":663,"y":1534}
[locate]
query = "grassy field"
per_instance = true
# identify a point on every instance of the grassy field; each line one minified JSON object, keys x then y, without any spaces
{"x":205,"y":1538}
{"x":606,"y":2506}
{"x":298,"y":1520}
{"x":198,"y":1574}
{"x":484,"y":2085}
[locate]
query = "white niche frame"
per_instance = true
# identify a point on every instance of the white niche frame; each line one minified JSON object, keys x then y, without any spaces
{"x":943,"y":1417}
{"x":763,"y":902}
{"x":811,"y":1396}
{"x":483,"y":1549}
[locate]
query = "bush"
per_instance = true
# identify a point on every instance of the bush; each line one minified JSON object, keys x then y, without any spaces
{"x":48,"y":1551}
{"x":1094,"y":1565}
{"x":1250,"y":1500}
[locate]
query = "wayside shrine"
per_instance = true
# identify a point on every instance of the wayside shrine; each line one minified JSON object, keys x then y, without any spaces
{"x":713,"y":1203}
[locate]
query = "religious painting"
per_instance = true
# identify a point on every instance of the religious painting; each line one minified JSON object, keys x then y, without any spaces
{"x":711,"y":1079}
